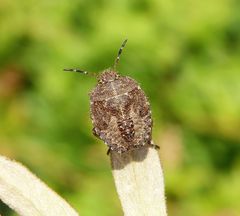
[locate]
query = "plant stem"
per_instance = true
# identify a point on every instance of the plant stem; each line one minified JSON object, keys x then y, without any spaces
{"x":139,"y":181}
{"x":27,"y":195}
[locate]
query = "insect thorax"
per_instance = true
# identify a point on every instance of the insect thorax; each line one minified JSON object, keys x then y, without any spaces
{"x":111,"y":84}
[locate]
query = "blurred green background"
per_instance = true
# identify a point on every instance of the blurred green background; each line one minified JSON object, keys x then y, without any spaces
{"x":186,"y":56}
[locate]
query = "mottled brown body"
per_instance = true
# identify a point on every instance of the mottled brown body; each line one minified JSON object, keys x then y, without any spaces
{"x":120,"y":112}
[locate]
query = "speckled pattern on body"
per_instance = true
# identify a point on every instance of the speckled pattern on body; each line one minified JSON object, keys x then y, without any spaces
{"x":120,"y":111}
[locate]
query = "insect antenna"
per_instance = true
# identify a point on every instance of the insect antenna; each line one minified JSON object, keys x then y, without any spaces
{"x":79,"y":71}
{"x":119,"y":53}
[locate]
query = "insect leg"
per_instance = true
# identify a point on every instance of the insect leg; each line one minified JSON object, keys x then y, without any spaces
{"x":154,"y":146}
{"x":108,"y":151}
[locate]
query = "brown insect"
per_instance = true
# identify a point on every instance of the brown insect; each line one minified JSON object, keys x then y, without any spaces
{"x":120,"y":110}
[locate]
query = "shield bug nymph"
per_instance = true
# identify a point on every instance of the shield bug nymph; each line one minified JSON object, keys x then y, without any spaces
{"x":120,"y":110}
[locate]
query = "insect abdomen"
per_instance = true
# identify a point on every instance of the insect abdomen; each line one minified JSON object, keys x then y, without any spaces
{"x":126,"y":128}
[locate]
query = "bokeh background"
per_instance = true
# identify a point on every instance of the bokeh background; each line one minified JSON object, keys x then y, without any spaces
{"x":186,"y":56}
